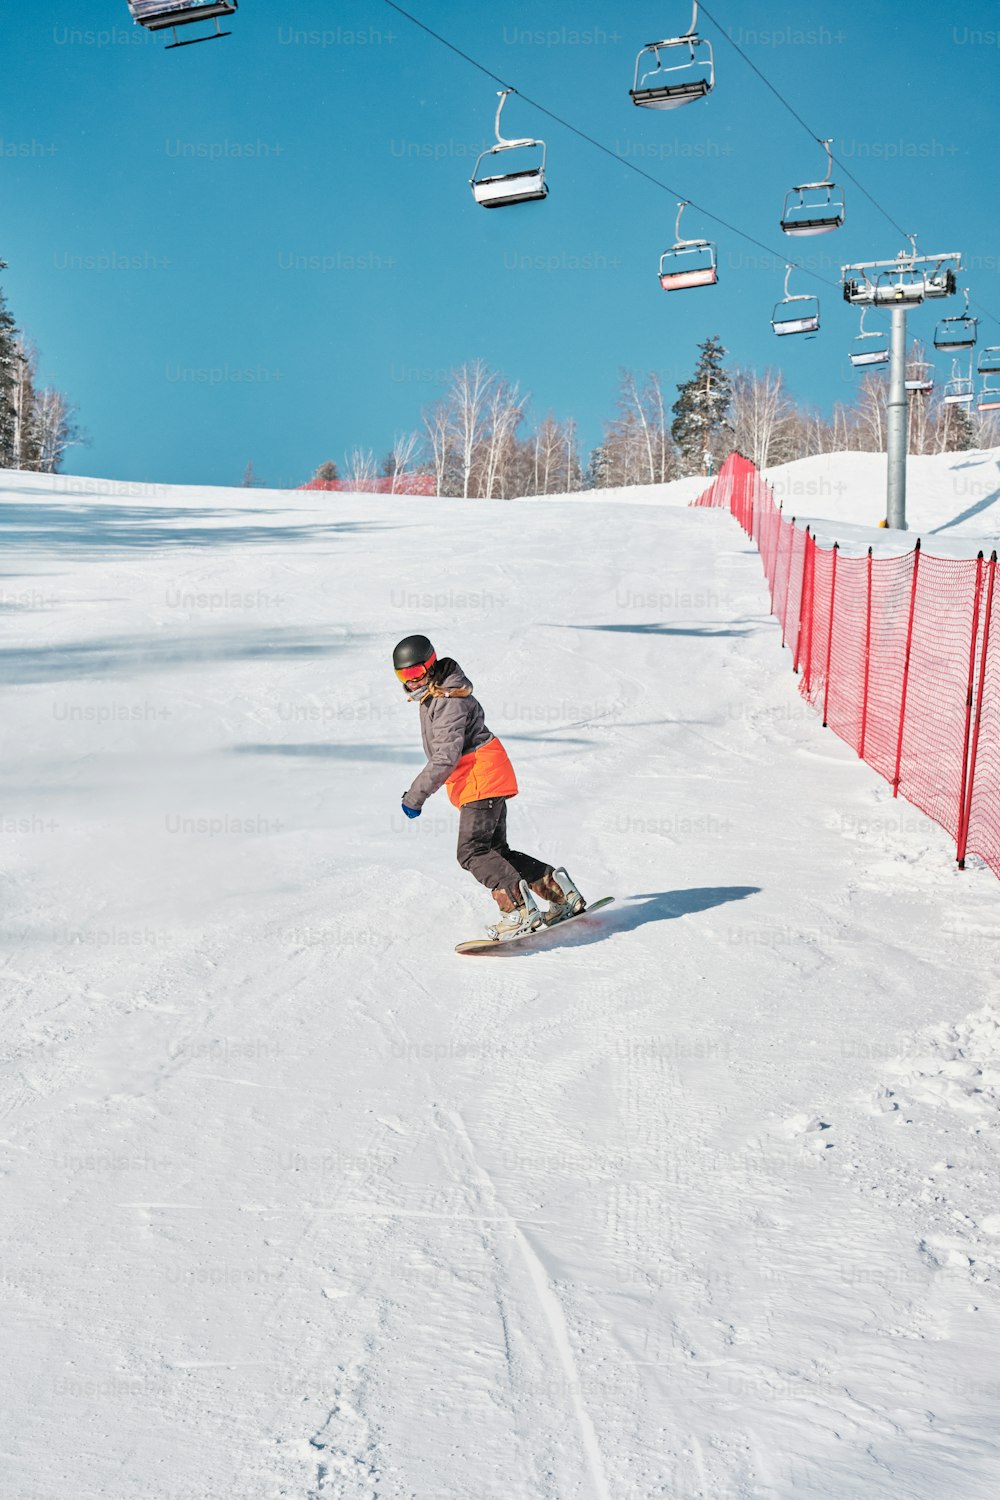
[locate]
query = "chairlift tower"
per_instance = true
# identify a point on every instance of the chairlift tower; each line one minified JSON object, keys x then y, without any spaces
{"x":899,"y":284}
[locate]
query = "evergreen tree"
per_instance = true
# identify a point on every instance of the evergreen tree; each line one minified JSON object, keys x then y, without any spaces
{"x":326,"y":473}
{"x":249,"y":480}
{"x":701,"y":427}
{"x":958,"y":429}
{"x":596,"y":477}
{"x":10,"y":374}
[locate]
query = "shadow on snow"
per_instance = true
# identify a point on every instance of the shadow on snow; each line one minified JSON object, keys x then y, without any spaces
{"x":102,"y":658}
{"x":398,"y":754}
{"x":652,"y":906}
{"x":659,"y":629}
{"x":131,"y":527}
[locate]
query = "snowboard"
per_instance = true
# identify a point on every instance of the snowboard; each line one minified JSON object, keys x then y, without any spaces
{"x":530,"y":939}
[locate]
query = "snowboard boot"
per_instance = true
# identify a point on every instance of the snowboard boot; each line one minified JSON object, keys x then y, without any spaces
{"x":548,"y":889}
{"x":520,"y":914}
{"x":570,"y":903}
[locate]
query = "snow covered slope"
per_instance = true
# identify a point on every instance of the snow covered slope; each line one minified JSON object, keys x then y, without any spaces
{"x":953,"y":499}
{"x":701,"y":1203}
{"x":948,"y":494}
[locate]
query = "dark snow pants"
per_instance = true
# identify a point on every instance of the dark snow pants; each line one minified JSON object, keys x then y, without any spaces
{"x":483,"y":849}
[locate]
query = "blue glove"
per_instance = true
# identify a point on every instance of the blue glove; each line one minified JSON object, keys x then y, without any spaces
{"x":411,"y":812}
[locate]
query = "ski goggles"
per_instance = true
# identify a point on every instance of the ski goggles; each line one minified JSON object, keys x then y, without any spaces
{"x":414,"y":674}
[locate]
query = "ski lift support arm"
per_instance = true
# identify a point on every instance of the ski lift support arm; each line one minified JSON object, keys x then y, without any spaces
{"x":827,"y":182}
{"x":859,"y":286}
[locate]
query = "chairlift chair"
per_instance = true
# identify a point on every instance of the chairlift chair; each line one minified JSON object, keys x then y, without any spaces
{"x":989,"y":361}
{"x":522,"y":185}
{"x":958,"y":391}
{"x":869,"y":348}
{"x":941,"y":282}
{"x":814,"y":207}
{"x":958,"y":332}
{"x":797,"y":313}
{"x":688,"y":262}
{"x":660,"y":87}
{"x":989,"y":396}
{"x":919,"y":377}
{"x":160,"y":15}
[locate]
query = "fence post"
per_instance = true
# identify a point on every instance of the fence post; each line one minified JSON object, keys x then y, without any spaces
{"x":829,"y":637}
{"x":906,"y":669}
{"x":963,"y":833}
{"x":776,"y":522}
{"x":973,"y":643}
{"x":810,"y":623}
{"x":868,"y":660}
{"x":803,"y":588}
{"x":784,"y":607}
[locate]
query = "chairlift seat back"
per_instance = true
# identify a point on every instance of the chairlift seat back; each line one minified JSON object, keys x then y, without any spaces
{"x":955,"y":333}
{"x":690,"y":265}
{"x":524,"y":184}
{"x":989,"y":395}
{"x":806,"y":217}
{"x":860,"y":357}
{"x":672,"y":95}
{"x":795,"y":313}
{"x":677,"y":281}
{"x":807,"y":324}
{"x":681,"y":83}
{"x":510,"y":187}
{"x":815,"y":225}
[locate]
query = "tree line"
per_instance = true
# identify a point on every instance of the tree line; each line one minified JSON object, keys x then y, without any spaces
{"x":477,"y":442}
{"x":37,"y":423}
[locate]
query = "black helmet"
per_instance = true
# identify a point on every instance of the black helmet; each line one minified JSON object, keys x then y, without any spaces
{"x":412,"y":659}
{"x":413,"y":651}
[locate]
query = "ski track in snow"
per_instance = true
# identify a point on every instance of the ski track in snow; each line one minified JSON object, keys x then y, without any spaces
{"x":552,"y":1313}
{"x":702,"y":1205}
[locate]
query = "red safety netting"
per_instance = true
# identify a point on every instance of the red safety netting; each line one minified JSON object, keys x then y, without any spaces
{"x":900,"y":655}
{"x":401,"y":484}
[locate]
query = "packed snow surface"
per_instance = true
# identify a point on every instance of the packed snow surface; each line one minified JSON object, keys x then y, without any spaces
{"x":701,"y":1202}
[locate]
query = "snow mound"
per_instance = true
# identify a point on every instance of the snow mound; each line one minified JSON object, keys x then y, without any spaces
{"x":955,"y":1065}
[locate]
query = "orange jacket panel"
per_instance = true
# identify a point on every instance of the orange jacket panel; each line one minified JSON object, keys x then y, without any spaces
{"x":486,"y":772}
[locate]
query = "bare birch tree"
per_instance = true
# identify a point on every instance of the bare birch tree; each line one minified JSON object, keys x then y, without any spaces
{"x":760,"y":414}
{"x":437,"y":428}
{"x":362,"y":469}
{"x":637,"y":447}
{"x":472,"y":433}
{"x":399,"y":461}
{"x":57,"y":428}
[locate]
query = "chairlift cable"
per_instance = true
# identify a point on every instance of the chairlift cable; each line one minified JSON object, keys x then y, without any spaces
{"x":623,"y":161}
{"x":812,"y":134}
{"x":795,"y":114}
{"x":986,"y":312}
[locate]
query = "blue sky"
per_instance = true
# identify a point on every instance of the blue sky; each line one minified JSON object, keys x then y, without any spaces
{"x":265,"y":249}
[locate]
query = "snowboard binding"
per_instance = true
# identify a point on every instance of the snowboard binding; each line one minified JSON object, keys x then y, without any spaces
{"x":532,"y":918}
{"x":574,"y":903}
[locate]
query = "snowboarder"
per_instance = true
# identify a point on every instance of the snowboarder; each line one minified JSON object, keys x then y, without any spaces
{"x":471,"y":762}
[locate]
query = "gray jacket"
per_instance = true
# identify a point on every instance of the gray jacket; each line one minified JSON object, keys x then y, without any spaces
{"x":452,"y":724}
